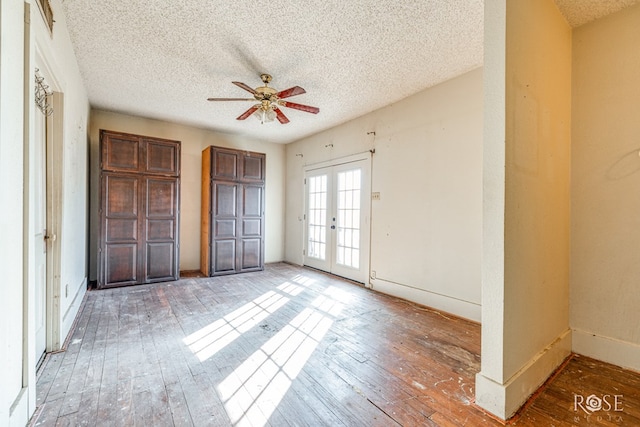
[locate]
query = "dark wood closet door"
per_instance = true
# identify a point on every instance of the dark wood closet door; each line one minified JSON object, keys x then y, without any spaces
{"x":232,"y":237}
{"x":225,"y":224}
{"x":139,"y":215}
{"x":120,"y":230}
{"x":161,"y":228}
{"x":251,"y":228}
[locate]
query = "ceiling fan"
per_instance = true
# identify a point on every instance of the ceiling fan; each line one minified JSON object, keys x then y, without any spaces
{"x":269,"y":101}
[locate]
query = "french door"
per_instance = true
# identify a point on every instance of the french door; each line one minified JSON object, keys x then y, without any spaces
{"x":337,"y":226}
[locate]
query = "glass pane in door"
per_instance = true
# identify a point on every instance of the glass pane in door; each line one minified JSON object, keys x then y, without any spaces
{"x":317,"y":232}
{"x":348,"y":220}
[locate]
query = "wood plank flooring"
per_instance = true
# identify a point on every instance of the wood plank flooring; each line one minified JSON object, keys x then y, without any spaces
{"x":287,"y":347}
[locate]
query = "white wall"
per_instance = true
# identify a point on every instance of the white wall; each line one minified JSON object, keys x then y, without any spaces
{"x":12,"y":257}
{"x":55,"y":58}
{"x":525,"y":303}
{"x":193,"y":141}
{"x":17,"y":259}
{"x":427,"y":167}
{"x":605,"y":264}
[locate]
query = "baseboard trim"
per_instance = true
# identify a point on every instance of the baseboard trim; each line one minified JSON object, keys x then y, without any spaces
{"x":72,"y":313}
{"x":458,"y":307}
{"x":504,"y":400}
{"x":19,"y":410}
{"x":617,"y":352}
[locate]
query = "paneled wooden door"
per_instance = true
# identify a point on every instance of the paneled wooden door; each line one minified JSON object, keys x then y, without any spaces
{"x":121,"y":230}
{"x":237,"y":227}
{"x":337,"y":219}
{"x":139,"y":210}
{"x":233,"y":202}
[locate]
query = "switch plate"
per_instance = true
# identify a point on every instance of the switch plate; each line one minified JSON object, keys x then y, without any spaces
{"x":375,"y":195}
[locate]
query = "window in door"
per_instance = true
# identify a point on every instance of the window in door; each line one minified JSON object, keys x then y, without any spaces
{"x":348,"y":226}
{"x":317,"y":217}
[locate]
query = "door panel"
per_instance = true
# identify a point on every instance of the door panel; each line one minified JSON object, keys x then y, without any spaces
{"x":225,"y":164}
{"x":121,"y":196}
{"x":318,"y":185}
{"x":160,"y":261}
{"x":120,"y":153}
{"x":160,"y":229}
{"x":251,"y":227}
{"x":225,"y":228}
{"x":120,"y":230}
{"x":251,"y":254}
{"x":160,"y":197}
{"x":161,"y":201}
{"x":253,"y":169}
{"x":252,"y":201}
{"x":121,"y":261}
{"x":224,"y":256}
{"x":225,"y":199}
{"x":337,"y":219}
{"x":162,"y":158}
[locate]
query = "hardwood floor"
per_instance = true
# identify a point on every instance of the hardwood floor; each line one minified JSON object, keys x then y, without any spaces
{"x":286,"y":347}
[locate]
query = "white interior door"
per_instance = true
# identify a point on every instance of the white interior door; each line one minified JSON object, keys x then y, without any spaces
{"x":40,"y":223}
{"x":337,"y":219}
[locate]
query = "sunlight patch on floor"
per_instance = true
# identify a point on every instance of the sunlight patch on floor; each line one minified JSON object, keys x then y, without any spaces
{"x":209,"y":340}
{"x":253,"y":391}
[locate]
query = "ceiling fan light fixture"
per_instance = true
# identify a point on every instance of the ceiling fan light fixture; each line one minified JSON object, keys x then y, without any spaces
{"x":270,"y":100}
{"x":265,"y":114}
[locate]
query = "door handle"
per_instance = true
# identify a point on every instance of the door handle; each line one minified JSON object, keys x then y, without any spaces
{"x":333,"y":227}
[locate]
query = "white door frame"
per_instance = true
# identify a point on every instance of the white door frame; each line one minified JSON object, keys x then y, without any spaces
{"x":363,"y":275}
{"x":54,"y":164}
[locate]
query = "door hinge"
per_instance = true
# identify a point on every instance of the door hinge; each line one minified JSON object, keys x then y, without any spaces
{"x":305,"y":181}
{"x":304,"y":252}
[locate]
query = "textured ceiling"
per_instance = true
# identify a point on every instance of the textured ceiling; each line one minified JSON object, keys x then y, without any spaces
{"x":580,"y":12}
{"x":163,"y":59}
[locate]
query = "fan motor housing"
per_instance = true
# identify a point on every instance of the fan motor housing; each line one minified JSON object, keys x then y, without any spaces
{"x":264,"y":92}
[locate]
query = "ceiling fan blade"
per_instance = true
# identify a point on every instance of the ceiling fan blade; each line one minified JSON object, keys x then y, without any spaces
{"x":281,"y":117}
{"x":292,"y":91}
{"x":245,"y":87}
{"x":231,"y":99}
{"x":307,"y":108}
{"x":247,"y":113}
